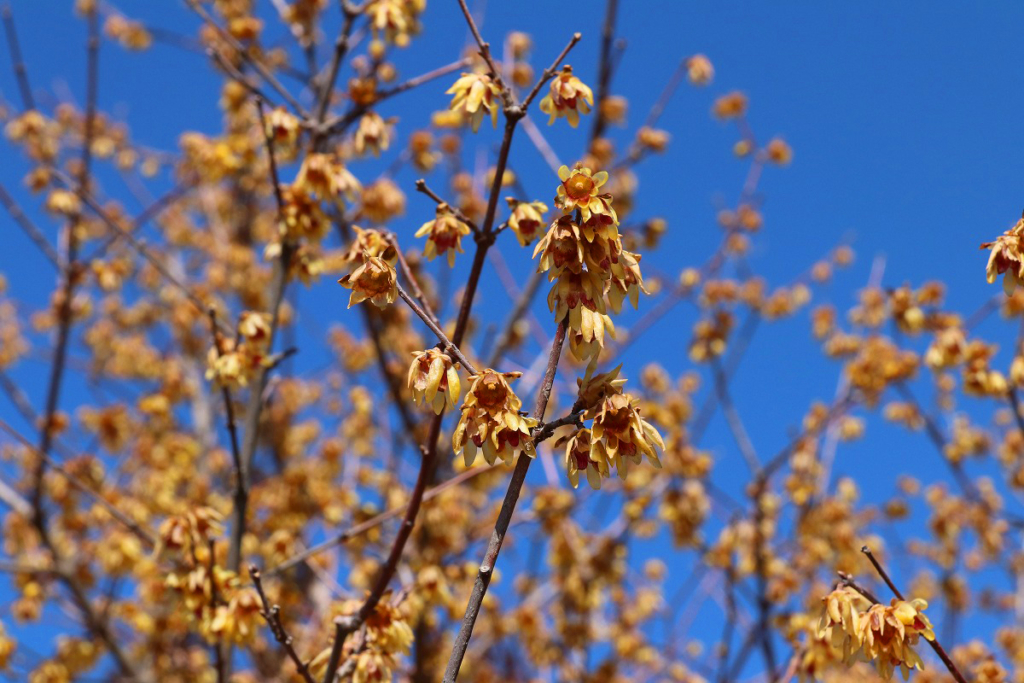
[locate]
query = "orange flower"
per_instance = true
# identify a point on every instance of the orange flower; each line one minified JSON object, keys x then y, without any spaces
{"x":301,"y":215}
{"x":560,"y":249}
{"x":778,"y":152}
{"x":526,"y":218}
{"x":433,"y":379}
{"x":375,"y":280}
{"x":325,"y":177}
{"x":1007,"y":258}
{"x":568,"y":97}
{"x":445,"y":234}
{"x":699,"y":70}
{"x":580,"y":189}
{"x":476,"y":95}
{"x":730,"y":106}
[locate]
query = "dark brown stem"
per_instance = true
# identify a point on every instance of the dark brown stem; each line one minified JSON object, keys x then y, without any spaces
{"x":421,"y":186}
{"x":485,"y":52}
{"x":340,"y":48}
{"x":449,"y":348}
{"x":410,"y":277}
{"x":604,"y":67}
{"x":33,"y":232}
{"x":272,"y":615}
{"x":17,"y":61}
{"x":508,"y":505}
{"x":550,"y":71}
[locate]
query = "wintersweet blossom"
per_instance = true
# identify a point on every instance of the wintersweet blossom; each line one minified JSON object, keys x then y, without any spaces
{"x":476,"y":95}
{"x":568,"y":97}
{"x":434,"y":380}
{"x":1006,"y":258}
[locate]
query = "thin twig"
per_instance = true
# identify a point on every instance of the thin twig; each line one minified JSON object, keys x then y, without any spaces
{"x":421,"y":186}
{"x":604,"y":68}
{"x":934,"y":643}
{"x":448,"y":346}
{"x":17,"y":61}
{"x":272,"y":615}
{"x":33,"y":232}
{"x":486,"y":571}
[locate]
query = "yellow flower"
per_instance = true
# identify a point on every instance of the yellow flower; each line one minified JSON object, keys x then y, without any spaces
{"x":368,"y":242}
{"x":1006,"y":258}
{"x":372,"y":134}
{"x":619,"y":435}
{"x":561,"y":248}
{"x":433,"y":379}
{"x":396,"y":19}
{"x":840,"y":620}
{"x":525,"y":220}
{"x":301,"y":216}
{"x":283,"y":128}
{"x":490,"y":421}
{"x":580,"y":189}
{"x":445,"y":234}
{"x":382,"y":201}
{"x":568,"y":97}
{"x":325,"y":177}
{"x":577,"y":459}
{"x":699,"y":70}
{"x":730,"y":106}
{"x":375,"y":280}
{"x":778,"y":152}
{"x":475,"y":95}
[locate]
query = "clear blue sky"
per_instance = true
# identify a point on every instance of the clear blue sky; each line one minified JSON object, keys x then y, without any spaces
{"x":904,"y":119}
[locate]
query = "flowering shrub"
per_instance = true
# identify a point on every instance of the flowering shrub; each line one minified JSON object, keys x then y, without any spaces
{"x":221,"y":478}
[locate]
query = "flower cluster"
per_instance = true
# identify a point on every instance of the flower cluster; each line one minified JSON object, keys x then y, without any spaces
{"x":491,"y":421}
{"x":582,"y":252}
{"x":232,"y":363}
{"x":618,"y":436}
{"x":886,"y":635}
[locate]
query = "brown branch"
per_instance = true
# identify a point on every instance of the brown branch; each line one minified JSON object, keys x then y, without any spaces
{"x":70,"y":275}
{"x":272,"y":615}
{"x":421,"y":186}
{"x":260,"y":68}
{"x":30,"y":229}
{"x":17,"y":61}
{"x":417,"y":291}
{"x":338,"y":124}
{"x":483,"y":577}
{"x":732,"y":417}
{"x":485,"y":52}
{"x":241,"y":488}
{"x":604,"y":68}
{"x":448,"y":346}
{"x":934,"y":643}
{"x":341,"y":46}
{"x":550,"y":71}
{"x":145,"y":535}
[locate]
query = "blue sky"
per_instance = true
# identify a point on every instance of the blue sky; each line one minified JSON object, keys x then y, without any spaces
{"x":904,"y":119}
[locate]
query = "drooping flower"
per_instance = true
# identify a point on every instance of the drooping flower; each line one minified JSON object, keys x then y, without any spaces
{"x":476,"y":95}
{"x":840,"y":619}
{"x":561,"y":248}
{"x":620,"y":436}
{"x":301,"y":216}
{"x":375,"y":280}
{"x":1006,"y":258}
{"x":526,"y":219}
{"x":372,"y":135}
{"x":491,"y":422}
{"x":445,"y":234}
{"x":382,"y":200}
{"x":326,"y":177}
{"x":577,"y":459}
{"x":730,"y":106}
{"x":699,"y":70}
{"x":568,"y":97}
{"x":580,"y":189}
{"x":434,"y":380}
